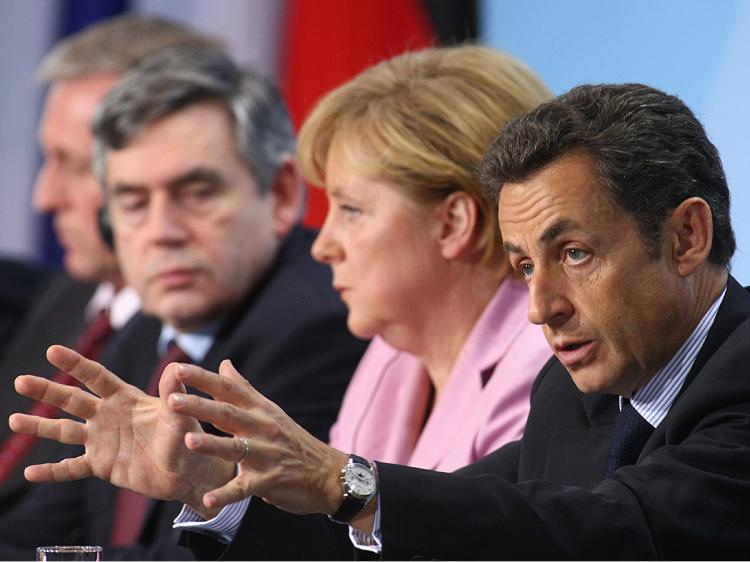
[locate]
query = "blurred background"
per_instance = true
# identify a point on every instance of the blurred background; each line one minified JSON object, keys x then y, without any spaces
{"x":695,"y":49}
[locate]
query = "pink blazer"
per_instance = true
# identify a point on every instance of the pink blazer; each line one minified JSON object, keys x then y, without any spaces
{"x":484,"y":405}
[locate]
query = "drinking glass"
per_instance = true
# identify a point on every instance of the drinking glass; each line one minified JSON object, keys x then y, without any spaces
{"x":69,"y":553}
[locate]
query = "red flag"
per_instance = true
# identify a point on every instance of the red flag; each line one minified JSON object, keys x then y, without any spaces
{"x":327,"y":42}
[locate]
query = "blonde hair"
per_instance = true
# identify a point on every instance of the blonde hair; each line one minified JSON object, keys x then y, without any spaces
{"x":422,"y":121}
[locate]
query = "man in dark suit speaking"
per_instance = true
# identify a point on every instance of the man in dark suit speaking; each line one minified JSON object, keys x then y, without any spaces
{"x":615,"y":209}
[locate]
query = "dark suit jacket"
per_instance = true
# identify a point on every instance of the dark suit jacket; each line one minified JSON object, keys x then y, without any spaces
{"x":543,"y":497}
{"x":57,"y":316}
{"x":19,"y":283}
{"x":289,"y":338}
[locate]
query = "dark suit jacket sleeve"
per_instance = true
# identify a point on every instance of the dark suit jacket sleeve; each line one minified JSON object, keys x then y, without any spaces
{"x":687,"y":498}
{"x":673,"y":506}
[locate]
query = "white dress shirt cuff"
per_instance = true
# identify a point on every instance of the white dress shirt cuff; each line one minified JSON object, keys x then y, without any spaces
{"x":369,"y":541}
{"x":224,"y":525}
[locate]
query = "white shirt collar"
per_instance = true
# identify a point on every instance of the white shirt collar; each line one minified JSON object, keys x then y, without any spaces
{"x":195,"y":344}
{"x":122,"y":305}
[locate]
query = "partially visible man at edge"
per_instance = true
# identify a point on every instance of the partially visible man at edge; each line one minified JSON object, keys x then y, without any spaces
{"x":80,"y":69}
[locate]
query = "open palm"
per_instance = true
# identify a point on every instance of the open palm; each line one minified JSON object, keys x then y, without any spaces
{"x":131,"y":439}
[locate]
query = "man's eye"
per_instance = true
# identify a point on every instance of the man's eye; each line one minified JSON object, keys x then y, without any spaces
{"x":72,"y":165}
{"x":200,"y":192}
{"x":131,"y":204}
{"x":199,"y":198}
{"x":350,"y":210}
{"x":576,"y":254}
{"x":526,"y":270}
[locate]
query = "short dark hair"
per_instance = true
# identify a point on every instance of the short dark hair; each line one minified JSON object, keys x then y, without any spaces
{"x":651,"y":153}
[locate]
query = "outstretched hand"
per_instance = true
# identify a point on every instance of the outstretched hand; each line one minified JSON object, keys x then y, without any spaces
{"x":283,"y":463}
{"x":131,"y":439}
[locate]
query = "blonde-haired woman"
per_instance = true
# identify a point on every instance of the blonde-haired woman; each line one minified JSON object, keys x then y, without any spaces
{"x":417,"y":256}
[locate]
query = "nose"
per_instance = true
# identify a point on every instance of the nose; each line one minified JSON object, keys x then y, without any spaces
{"x":166,"y":221}
{"x":548,"y":300}
{"x":50,"y":187}
{"x":326,"y":248}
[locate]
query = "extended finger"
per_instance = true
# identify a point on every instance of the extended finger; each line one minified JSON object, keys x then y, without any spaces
{"x":69,"y":398}
{"x":234,"y":449}
{"x":96,"y":378}
{"x":222,"y":415}
{"x":169,"y":383}
{"x":69,"y":469}
{"x":63,"y":430}
{"x":225,"y":389}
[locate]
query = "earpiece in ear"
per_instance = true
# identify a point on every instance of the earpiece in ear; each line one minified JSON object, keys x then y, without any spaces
{"x":105,"y":228}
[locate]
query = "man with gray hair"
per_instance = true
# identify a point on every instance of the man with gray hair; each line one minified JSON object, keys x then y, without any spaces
{"x":204,"y":200}
{"x":87,"y":296}
{"x":87,"y":304}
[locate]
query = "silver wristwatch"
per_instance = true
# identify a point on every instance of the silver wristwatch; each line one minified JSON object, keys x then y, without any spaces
{"x":360,"y":484}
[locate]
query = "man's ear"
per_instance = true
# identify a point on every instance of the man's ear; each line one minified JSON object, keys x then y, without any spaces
{"x":288,"y":193}
{"x":691,"y":232}
{"x":458,"y":216}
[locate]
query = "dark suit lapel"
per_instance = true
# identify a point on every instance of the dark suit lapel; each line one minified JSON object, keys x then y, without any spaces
{"x":564,"y":427}
{"x":734,"y":310}
{"x":590,"y":440}
{"x":601,"y":409}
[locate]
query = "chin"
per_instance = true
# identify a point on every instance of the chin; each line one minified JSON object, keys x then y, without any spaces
{"x":360,"y":330}
{"x":588,"y":382}
{"x":82,"y":271}
{"x":176,"y":314}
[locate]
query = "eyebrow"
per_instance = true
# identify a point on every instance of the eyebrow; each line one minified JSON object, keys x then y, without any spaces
{"x":197,"y":175}
{"x":549,"y":233}
{"x":332,"y":191}
{"x":337,"y":193}
{"x":191,"y":176}
{"x":555,"y":230}
{"x":511,"y":248}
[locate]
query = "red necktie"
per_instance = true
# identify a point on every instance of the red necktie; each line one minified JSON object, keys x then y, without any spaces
{"x":89,"y":344}
{"x":131,"y":508}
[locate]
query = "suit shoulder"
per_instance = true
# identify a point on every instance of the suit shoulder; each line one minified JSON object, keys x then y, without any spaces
{"x":727,"y":367}
{"x":305,"y":284}
{"x":551,"y":373}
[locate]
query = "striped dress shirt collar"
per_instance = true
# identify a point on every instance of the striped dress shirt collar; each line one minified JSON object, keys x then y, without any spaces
{"x":656,"y":397}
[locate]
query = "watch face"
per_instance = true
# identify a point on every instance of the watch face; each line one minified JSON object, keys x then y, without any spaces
{"x":361,"y":480}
